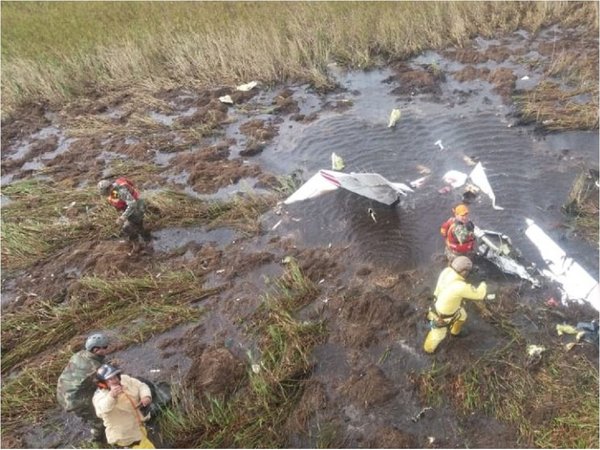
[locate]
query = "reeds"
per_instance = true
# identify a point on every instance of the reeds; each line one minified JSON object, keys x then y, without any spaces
{"x":152,"y":45}
{"x":38,"y":223}
{"x":255,"y":416}
{"x":504,"y":384}
{"x":155,"y":303}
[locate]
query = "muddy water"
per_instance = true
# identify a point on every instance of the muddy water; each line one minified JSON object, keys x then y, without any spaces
{"x":531,"y":175}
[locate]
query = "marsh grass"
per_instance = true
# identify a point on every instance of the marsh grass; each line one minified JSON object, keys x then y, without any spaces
{"x":154,"y":45}
{"x":154,"y":303}
{"x":582,"y":206}
{"x":505,"y":385}
{"x":255,"y":416}
{"x":36,"y":223}
{"x":558,"y":109}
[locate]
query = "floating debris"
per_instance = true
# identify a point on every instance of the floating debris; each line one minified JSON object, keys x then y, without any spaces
{"x":394,"y":117}
{"x":372,"y":214}
{"x":455,"y":178}
{"x":423,"y":170}
{"x":337,"y":163}
{"x":226,"y":99}
{"x":439,"y":144}
{"x":417,"y":183}
{"x":470,"y":161}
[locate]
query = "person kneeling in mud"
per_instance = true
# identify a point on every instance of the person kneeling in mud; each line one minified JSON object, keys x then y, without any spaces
{"x":75,"y":386}
{"x":117,"y":402}
{"x":126,"y":199}
{"x":447,"y":311}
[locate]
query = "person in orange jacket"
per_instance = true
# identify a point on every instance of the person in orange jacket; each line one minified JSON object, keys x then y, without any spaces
{"x":125,"y":198}
{"x":459,"y":233}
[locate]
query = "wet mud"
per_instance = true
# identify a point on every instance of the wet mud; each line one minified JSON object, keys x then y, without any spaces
{"x":375,"y":277}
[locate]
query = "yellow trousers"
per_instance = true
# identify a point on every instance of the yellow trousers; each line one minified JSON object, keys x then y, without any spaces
{"x":144,"y":442}
{"x":437,"y":335}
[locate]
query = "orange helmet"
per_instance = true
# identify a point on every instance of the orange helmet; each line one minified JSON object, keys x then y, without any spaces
{"x":461,"y":210}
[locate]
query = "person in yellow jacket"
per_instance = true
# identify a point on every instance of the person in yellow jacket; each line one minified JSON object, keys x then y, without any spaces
{"x":117,"y":401}
{"x":447,"y":311}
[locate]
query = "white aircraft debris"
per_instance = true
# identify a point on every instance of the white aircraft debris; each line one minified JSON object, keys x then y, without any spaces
{"x":370,"y":185}
{"x":439,"y":144}
{"x":226,"y":99}
{"x":394,"y":117}
{"x":247,"y":86}
{"x":372,"y":214}
{"x":498,"y":249}
{"x":417,"y":183}
{"x":470,"y":161}
{"x":423,"y":170}
{"x":337,"y":163}
{"x":478,"y":177}
{"x":576,"y":283}
{"x":456,"y":179}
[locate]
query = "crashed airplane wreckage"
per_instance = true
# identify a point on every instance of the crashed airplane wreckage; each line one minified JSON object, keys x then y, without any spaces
{"x":575,"y":283}
{"x":370,"y":185}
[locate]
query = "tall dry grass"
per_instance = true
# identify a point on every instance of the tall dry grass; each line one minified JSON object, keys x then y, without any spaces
{"x":56,"y":50}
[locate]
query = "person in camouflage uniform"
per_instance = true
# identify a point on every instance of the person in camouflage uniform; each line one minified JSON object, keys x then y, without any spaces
{"x":126,"y":199}
{"x":458,"y":232}
{"x":76,"y":384}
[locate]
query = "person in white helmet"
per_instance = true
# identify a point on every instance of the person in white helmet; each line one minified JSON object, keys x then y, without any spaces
{"x":76,"y":386}
{"x":447,"y":311}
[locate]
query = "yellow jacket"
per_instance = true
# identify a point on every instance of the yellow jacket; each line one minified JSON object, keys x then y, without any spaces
{"x":452,"y":288}
{"x":121,"y":419}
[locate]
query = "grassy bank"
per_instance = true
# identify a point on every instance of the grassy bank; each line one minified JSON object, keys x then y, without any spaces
{"x":542,"y":400}
{"x":155,"y":303}
{"x":45,"y":217}
{"x":57,"y":50}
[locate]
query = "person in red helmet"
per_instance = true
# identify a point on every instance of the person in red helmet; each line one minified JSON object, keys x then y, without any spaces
{"x":459,"y":233}
{"x":126,"y":199}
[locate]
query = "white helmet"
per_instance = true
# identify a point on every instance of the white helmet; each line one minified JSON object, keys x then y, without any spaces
{"x":461,"y":264}
{"x":104,"y":186}
{"x":96,"y":340}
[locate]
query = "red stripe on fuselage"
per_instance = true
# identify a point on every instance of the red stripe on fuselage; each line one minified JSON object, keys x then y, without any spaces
{"x":330,"y":178}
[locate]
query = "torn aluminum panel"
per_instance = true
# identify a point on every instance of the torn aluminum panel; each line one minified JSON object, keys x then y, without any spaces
{"x":370,"y":185}
{"x":479,"y":178}
{"x":499,"y":250}
{"x":576,"y":283}
{"x":456,"y":179}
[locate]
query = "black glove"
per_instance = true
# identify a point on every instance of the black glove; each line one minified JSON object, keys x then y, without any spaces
{"x":469,"y":225}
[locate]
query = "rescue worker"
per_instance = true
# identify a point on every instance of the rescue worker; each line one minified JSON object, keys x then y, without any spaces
{"x":117,"y":402}
{"x":126,"y":199}
{"x":459,"y":233}
{"x":447,"y":311}
{"x":75,"y":386}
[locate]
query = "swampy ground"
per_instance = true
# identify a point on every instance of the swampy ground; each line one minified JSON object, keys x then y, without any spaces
{"x":302,"y":325}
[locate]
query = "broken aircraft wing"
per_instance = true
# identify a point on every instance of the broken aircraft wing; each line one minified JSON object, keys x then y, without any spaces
{"x":499,"y":250}
{"x":576,"y":283}
{"x":370,"y":185}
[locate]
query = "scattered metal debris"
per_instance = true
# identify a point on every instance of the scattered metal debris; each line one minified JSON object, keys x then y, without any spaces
{"x":420,"y":415}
